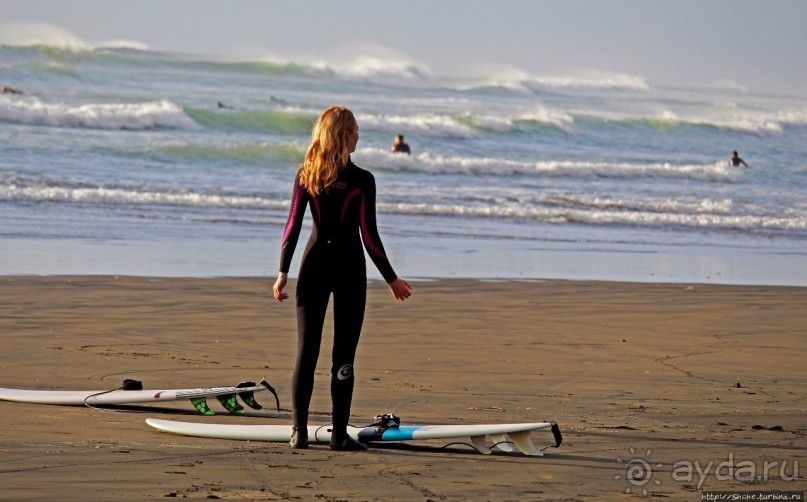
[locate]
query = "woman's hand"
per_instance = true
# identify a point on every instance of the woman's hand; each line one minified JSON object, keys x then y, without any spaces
{"x":400,"y":289}
{"x":280,"y":283}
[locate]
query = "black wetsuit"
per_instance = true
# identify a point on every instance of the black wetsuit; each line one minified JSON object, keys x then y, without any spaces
{"x":401,"y":148}
{"x":333,"y":263}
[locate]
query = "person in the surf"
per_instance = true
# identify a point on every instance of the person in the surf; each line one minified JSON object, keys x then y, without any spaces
{"x":399,"y":146}
{"x":736,"y":161}
{"x":10,"y":90}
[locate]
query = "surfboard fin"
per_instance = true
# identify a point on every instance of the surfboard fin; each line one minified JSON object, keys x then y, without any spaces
{"x":522,"y":441}
{"x":249,"y":397}
{"x":230,"y":403}
{"x":480,"y":445}
{"x":505,"y":442}
{"x":501,"y":442}
{"x":200,"y":403}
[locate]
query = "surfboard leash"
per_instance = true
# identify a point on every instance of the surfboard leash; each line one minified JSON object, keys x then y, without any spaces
{"x":272,"y":390}
{"x":556,"y":434}
{"x":127,"y":384}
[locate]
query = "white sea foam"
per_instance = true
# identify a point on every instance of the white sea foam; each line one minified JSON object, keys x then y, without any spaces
{"x":596,"y":80}
{"x":794,"y":116}
{"x":132,"y":116}
{"x":122,"y":44}
{"x":519,"y":80}
{"x":467,"y":125}
{"x":558,"y":118}
{"x":704,"y":214}
{"x":426,"y":124}
{"x":702,"y":221}
{"x":650,"y":204}
{"x":392,"y":69}
{"x":28,"y":34}
{"x":376,"y":68}
{"x":727,"y":85}
{"x":726,"y":116}
{"x":433,"y":163}
{"x":598,"y":217}
{"x":122,"y":196}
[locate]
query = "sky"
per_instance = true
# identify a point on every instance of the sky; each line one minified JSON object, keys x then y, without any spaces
{"x":759,"y":44}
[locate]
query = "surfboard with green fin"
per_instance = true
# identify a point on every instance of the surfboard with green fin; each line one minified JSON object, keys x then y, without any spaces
{"x":132,"y":392}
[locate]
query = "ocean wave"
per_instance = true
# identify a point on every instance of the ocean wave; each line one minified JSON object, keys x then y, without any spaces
{"x":424,"y":124}
{"x":43,"y":36}
{"x":281,"y":120}
{"x":376,"y":65}
{"x":597,"y":217}
{"x":121,"y":116}
{"x":375,"y":69}
{"x":249,"y":153}
{"x":467,"y":125}
{"x":364,"y":68}
{"x":702,"y":214}
{"x":691,"y":206}
{"x":594,"y":81}
{"x":297,"y":120}
{"x":794,"y":116}
{"x":516,"y":80}
{"x":52,"y":40}
{"x":700,"y":221}
{"x":131,"y":45}
{"x":726,"y":85}
{"x":432,"y":163}
{"x":541,"y":116}
{"x":48,"y":67}
{"x":124,"y":196}
{"x":264,"y":67}
{"x":759,"y":123}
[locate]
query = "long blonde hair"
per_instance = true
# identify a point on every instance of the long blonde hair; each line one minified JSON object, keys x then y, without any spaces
{"x":329,"y":150}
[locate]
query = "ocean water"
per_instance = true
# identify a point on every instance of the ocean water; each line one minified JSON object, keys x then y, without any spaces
{"x":120,"y":161}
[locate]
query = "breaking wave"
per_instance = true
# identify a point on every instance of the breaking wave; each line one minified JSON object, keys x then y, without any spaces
{"x":711,"y":214}
{"x":122,"y":116}
{"x":443,"y":164}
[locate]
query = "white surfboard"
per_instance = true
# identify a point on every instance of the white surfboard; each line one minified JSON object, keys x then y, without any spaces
{"x":225,"y":395}
{"x":504,"y":436}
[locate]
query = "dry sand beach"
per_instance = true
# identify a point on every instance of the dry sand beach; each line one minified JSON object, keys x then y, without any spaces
{"x":675,"y":375}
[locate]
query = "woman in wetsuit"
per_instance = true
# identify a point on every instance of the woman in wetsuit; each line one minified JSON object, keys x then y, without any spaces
{"x":342,"y":200}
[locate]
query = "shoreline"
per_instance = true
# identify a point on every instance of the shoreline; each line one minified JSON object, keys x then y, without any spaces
{"x":437,"y":259}
{"x":669,"y":373}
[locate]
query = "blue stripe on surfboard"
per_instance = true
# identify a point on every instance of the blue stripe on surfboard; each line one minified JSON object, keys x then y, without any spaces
{"x":403,"y":433}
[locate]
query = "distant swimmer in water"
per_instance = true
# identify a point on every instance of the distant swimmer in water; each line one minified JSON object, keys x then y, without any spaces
{"x":399,"y":146}
{"x":736,"y":161}
{"x":10,"y":90}
{"x":219,"y":104}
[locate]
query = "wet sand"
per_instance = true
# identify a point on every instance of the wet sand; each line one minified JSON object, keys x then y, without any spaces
{"x":677,"y":376}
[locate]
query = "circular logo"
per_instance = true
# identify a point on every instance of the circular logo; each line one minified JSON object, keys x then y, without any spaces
{"x":638,"y":472}
{"x":345,"y":372}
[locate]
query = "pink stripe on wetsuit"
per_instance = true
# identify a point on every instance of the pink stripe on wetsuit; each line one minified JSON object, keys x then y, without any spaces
{"x":372,"y":245}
